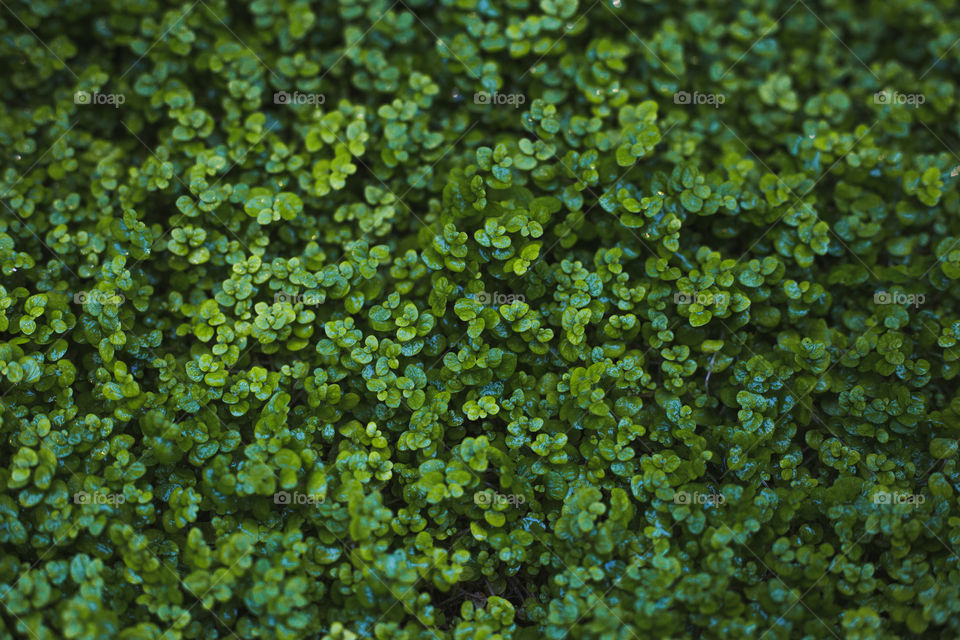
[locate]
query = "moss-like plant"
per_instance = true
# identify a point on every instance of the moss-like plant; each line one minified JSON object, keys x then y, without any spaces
{"x":479,"y":320}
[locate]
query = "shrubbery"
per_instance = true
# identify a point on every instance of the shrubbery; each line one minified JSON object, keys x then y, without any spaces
{"x":468,"y":319}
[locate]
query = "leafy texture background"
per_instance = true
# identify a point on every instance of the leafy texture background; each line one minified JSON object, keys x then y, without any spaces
{"x":470,"y":319}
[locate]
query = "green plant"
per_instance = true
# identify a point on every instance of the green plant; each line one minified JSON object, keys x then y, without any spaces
{"x":476,"y":320}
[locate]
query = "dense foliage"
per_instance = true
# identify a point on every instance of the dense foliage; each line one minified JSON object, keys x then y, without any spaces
{"x":479,"y":319}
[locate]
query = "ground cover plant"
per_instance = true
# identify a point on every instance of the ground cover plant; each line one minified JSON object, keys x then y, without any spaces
{"x":479,"y":319}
